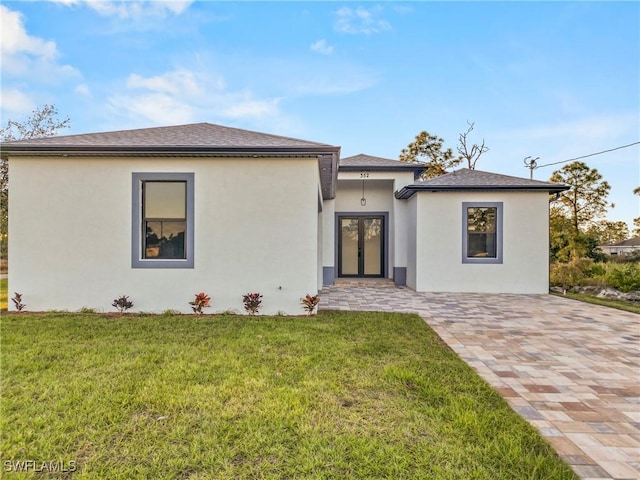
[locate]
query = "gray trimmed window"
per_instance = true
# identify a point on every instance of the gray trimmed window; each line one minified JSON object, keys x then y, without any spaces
{"x":482,"y":232}
{"x":162,"y":220}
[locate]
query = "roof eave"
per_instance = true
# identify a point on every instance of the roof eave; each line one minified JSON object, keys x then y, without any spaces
{"x":123,"y":150}
{"x":410,"y":190}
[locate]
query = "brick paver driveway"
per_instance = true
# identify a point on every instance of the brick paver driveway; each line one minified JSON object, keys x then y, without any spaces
{"x":571,"y":369}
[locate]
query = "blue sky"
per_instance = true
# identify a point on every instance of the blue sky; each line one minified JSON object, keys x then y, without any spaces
{"x":554,"y":80}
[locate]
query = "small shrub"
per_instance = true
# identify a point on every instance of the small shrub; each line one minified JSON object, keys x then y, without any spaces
{"x":201,"y":301}
{"x":17,"y":301}
{"x":571,"y":274}
{"x":623,"y":276}
{"x":252,"y":302}
{"x":310,"y":302}
{"x":122,"y":304}
{"x":170,"y":312}
{"x":87,"y":310}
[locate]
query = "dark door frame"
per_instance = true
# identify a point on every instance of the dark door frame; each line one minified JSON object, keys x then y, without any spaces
{"x":385,"y":242}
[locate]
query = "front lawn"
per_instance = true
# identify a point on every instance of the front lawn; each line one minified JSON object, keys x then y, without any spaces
{"x":340,"y":395}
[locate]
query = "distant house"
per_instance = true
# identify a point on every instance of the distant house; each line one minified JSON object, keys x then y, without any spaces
{"x":626,"y":247}
{"x":160,"y":214}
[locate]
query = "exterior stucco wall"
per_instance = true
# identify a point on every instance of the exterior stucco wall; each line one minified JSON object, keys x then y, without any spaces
{"x":328,"y":242}
{"x":411,"y":245}
{"x":379,"y":190}
{"x":379,"y":196}
{"x":256,"y":229}
{"x":439,"y":267}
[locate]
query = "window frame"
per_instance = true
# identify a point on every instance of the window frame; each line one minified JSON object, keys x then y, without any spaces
{"x":498,"y":259}
{"x":137,"y":220}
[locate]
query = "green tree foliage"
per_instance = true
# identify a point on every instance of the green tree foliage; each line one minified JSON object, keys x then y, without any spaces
{"x":574,"y":211}
{"x":565,"y":245}
{"x":43,"y":122}
{"x":561,"y":240}
{"x":586,"y":200}
{"x":606,"y":232}
{"x":636,"y":221}
{"x":428,"y":149}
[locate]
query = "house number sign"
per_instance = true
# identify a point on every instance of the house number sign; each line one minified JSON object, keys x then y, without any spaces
{"x":364,"y":174}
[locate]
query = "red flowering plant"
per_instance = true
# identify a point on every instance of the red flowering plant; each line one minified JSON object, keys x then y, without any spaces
{"x":17,"y":301}
{"x":201,"y":301}
{"x":252,"y":302}
{"x":310,"y":302}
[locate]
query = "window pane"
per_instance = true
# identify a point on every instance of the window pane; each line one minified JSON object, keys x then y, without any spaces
{"x":164,"y":240}
{"x":481,"y":245}
{"x":372,"y":246}
{"x":481,"y":219}
{"x":481,"y":232}
{"x":349,"y":243}
{"x":165,"y":200}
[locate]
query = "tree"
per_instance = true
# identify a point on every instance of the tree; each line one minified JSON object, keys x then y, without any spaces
{"x":428,"y":148}
{"x":471,"y":155}
{"x":564,"y":244}
{"x":43,"y":122}
{"x":606,"y":232}
{"x":636,"y":221}
{"x":586,"y":200}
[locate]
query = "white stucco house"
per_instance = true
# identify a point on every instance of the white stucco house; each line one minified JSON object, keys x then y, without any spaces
{"x":625,"y":247}
{"x":160,"y":214}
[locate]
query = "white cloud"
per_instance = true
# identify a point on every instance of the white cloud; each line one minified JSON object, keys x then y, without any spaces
{"x":132,"y":9}
{"x":24,"y":55}
{"x":17,"y":48}
{"x":15,"y":101}
{"x":252,"y":108}
{"x":153,"y":108}
{"x":26,"y":60}
{"x":176,"y":82}
{"x":360,"y":21}
{"x":83,"y":90}
{"x":322,"y":46}
{"x":184,"y":96}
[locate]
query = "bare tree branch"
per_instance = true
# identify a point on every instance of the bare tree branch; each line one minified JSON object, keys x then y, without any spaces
{"x":471,"y":156}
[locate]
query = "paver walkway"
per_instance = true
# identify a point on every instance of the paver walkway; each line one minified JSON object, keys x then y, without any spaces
{"x":571,"y":369}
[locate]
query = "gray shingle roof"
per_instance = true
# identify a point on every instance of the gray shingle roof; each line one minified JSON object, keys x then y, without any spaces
{"x":193,"y":135}
{"x":371,"y":163}
{"x":630,"y":242}
{"x":466,"y":179}
{"x":198,"y":139}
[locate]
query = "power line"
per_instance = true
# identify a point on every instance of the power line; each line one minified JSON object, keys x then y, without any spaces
{"x":586,"y":156}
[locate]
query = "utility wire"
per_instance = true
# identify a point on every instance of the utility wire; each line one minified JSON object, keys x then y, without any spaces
{"x":585,"y":156}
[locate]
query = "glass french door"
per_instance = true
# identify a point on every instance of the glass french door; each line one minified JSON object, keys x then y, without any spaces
{"x":361,"y":246}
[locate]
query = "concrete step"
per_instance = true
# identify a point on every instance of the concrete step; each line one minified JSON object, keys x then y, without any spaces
{"x":364,"y":282}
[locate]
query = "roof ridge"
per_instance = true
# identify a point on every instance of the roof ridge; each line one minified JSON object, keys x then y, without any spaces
{"x":473,"y":171}
{"x":193,"y":135}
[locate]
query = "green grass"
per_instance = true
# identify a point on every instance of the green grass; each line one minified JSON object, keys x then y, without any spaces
{"x":338,"y":396}
{"x":606,"y":302}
